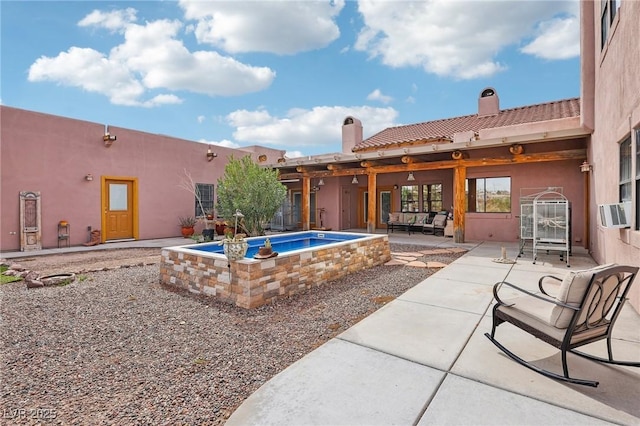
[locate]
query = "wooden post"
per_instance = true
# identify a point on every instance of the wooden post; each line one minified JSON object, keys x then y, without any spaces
{"x":306,"y":203}
{"x":372,"y":214}
{"x":459,"y":177}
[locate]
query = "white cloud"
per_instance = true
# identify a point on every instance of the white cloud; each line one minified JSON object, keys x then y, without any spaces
{"x":150,"y":58}
{"x":114,"y":20}
{"x":459,"y":38}
{"x":377,"y":95}
{"x":200,"y":119}
{"x":91,"y":71}
{"x":223,"y":143}
{"x":302,"y":128}
{"x":281,"y":27}
{"x":164,"y":62}
{"x":162,"y":100}
{"x":249,"y":118}
{"x":556,"y":39}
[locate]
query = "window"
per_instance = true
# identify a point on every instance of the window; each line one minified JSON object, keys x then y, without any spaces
{"x":612,"y":11}
{"x":604,"y":23}
{"x":203,"y":199}
{"x":432,"y":197}
{"x":409,"y":201}
{"x":489,"y":195}
{"x":625,"y":170}
{"x":638,"y":179}
{"x":608,"y":10}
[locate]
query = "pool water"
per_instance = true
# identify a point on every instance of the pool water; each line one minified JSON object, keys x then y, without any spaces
{"x":283,"y":243}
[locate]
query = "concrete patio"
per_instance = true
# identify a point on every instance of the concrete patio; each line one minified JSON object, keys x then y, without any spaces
{"x":423,"y":359}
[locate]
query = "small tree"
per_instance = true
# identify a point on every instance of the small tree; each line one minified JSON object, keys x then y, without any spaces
{"x":187,"y":183}
{"x":253,"y":190}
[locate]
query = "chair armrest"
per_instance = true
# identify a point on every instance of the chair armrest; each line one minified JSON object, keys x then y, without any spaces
{"x":498,"y":285}
{"x":540,"y":282}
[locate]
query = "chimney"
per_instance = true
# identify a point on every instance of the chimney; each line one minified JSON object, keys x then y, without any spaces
{"x":351,"y":134}
{"x":488,"y":103}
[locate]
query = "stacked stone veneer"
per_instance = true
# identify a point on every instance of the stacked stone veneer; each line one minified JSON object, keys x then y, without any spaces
{"x":250,"y":283}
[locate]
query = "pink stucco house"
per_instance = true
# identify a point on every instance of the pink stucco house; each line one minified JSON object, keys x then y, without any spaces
{"x":480,"y":168}
{"x":123,"y":182}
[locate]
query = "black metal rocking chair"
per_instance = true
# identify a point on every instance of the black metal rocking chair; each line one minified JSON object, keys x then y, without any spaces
{"x":584,"y":311}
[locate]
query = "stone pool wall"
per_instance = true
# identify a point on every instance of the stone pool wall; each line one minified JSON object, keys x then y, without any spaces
{"x":250,"y":283}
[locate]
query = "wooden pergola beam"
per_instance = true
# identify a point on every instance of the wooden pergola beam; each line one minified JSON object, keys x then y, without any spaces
{"x":572,"y":154}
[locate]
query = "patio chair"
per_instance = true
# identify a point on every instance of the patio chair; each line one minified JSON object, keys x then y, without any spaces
{"x":584,"y":311}
{"x":437,"y":224}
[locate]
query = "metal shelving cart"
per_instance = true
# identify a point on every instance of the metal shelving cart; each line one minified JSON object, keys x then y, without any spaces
{"x":552,"y":224}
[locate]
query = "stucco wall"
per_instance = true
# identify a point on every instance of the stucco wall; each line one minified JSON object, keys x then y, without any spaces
{"x":616,"y":114}
{"x":506,"y":226}
{"x":53,"y":154}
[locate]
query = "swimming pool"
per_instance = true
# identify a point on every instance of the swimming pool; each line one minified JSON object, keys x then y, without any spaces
{"x":305,"y":259}
{"x":284,"y":243}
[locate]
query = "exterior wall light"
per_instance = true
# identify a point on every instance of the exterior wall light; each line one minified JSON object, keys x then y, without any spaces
{"x":88,"y":177}
{"x":516,"y":149}
{"x":108,"y":139}
{"x":210,"y":154}
{"x":585,"y":167}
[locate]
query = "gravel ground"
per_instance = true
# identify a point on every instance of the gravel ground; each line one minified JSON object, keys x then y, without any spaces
{"x":116,"y":347}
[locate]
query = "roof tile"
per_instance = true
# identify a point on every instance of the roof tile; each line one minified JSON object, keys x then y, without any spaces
{"x":445,"y":128}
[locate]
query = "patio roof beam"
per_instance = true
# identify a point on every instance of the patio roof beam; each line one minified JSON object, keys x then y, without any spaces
{"x":372,"y":163}
{"x":571,"y":154}
{"x":334,"y":166}
{"x":566,"y":128}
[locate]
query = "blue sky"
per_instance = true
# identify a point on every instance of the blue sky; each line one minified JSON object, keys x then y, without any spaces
{"x":283,"y":74}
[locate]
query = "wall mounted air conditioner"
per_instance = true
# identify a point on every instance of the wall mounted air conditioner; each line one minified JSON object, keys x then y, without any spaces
{"x":616,"y":215}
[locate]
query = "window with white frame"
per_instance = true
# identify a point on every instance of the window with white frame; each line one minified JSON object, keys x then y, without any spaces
{"x":489,"y":195}
{"x":432,"y":197}
{"x":204,"y":199}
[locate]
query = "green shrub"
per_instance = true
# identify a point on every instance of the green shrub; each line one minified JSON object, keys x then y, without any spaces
{"x":5,"y":279}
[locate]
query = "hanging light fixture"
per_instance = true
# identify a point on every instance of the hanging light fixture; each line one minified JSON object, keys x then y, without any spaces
{"x":354,"y":180}
{"x":321,"y":182}
{"x":411,"y":177}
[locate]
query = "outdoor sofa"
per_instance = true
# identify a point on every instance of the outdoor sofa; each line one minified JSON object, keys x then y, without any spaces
{"x":407,"y":221}
{"x":438,"y":224}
